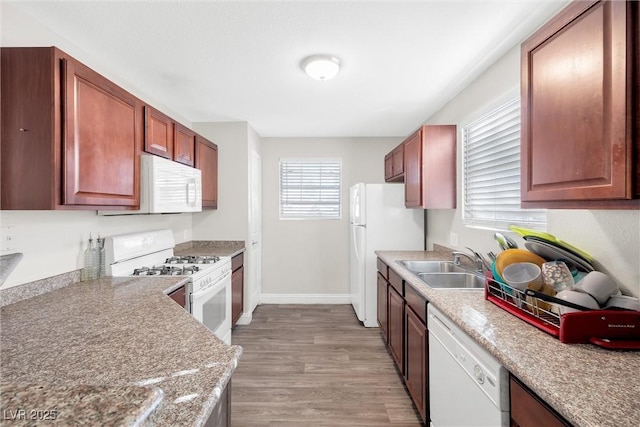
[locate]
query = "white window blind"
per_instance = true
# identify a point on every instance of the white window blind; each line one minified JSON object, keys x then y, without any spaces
{"x":492,"y":172}
{"x":310,"y":188}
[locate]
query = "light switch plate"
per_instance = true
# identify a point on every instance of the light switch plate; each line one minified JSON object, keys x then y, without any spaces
{"x":453,"y":239}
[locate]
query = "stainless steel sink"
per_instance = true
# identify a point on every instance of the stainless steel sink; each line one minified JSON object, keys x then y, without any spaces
{"x":453,"y":280}
{"x":418,"y":267}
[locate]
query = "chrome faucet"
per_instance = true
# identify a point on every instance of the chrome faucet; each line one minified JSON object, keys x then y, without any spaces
{"x":481,"y":264}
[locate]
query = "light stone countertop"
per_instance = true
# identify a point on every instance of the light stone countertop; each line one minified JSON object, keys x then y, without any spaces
{"x":116,"y":333}
{"x":228,"y":248}
{"x":588,"y":385}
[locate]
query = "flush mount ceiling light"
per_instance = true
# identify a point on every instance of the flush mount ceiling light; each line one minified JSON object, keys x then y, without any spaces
{"x":321,"y":67}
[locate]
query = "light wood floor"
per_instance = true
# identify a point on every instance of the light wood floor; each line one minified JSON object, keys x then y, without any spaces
{"x":315,"y":365}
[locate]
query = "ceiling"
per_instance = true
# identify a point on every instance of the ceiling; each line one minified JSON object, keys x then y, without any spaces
{"x":240,"y":61}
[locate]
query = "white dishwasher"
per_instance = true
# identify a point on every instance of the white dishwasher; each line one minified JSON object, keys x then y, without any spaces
{"x":467,"y":386}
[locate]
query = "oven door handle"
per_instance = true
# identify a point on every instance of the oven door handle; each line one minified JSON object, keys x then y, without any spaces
{"x":211,"y":285}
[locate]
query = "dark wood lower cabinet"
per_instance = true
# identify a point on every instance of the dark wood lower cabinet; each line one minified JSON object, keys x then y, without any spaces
{"x":383,"y":316}
{"x":396,"y":327}
{"x":237,"y":294}
{"x":237,"y":287}
{"x":221,"y":414}
{"x":417,"y":362}
{"x":528,"y":410}
{"x":179,"y":296}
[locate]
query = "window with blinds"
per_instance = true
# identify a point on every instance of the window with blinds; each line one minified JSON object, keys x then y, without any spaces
{"x":310,"y":188}
{"x":492,"y":172}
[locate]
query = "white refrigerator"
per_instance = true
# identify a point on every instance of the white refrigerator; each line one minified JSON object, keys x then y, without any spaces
{"x":378,"y":221}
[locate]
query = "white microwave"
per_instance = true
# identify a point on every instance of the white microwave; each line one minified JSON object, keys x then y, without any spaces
{"x":166,"y":187}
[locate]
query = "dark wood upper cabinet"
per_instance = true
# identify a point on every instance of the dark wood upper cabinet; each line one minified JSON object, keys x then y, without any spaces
{"x":158,"y":133}
{"x":207,"y":161}
{"x":394,"y":165}
{"x":184,"y":145}
{"x":70,"y":138}
{"x":430,"y":168}
{"x":580,"y":109}
{"x":101,"y":162}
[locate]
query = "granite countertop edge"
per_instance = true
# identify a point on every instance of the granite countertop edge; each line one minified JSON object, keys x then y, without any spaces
{"x":559,"y":373}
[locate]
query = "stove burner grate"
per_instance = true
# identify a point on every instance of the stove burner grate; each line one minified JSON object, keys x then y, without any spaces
{"x":192,"y":259}
{"x":166,"y":270}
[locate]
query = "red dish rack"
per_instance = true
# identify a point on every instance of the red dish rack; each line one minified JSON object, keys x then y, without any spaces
{"x":612,"y":329}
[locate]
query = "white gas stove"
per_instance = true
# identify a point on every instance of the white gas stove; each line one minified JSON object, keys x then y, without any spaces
{"x":150,"y":254}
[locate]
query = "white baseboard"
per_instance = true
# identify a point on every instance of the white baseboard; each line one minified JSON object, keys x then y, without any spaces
{"x":305,"y":299}
{"x":245,"y":319}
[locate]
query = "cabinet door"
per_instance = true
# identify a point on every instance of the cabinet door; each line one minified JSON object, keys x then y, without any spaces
{"x":101,"y":143}
{"x":398,"y":160}
{"x":417,"y":368}
{"x":382,"y":307}
{"x":577,"y":106}
{"x":388,"y":167}
{"x":237,"y":283}
{"x":30,"y":128}
{"x":394,"y":165}
{"x":396,"y":327}
{"x":158,"y":133}
{"x":413,"y":171}
{"x":207,"y":162}
{"x":439,"y":167}
{"x":184,"y":145}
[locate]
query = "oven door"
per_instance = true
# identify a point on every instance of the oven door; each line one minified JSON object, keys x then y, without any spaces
{"x":212,"y":306}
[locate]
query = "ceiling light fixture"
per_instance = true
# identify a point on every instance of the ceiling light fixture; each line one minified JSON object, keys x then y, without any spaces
{"x":321,"y":67}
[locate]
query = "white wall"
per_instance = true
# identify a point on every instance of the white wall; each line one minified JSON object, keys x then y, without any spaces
{"x":229,"y":221}
{"x":312,"y":257}
{"x":611,"y":236}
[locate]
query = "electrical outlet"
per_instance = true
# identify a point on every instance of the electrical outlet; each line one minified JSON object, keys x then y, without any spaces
{"x":453,"y":239}
{"x":7,"y":241}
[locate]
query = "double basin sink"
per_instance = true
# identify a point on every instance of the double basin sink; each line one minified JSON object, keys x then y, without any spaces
{"x":444,"y":275}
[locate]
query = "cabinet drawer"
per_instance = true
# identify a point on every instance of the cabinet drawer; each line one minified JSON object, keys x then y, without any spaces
{"x":417,"y":302}
{"x":528,"y":409}
{"x":396,"y":281}
{"x":237,"y":261}
{"x":383,"y":269}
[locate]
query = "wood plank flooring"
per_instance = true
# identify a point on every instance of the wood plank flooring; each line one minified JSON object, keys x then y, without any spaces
{"x":315,"y":365}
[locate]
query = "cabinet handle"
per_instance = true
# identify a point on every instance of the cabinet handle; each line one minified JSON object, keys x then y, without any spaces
{"x":24,"y":130}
